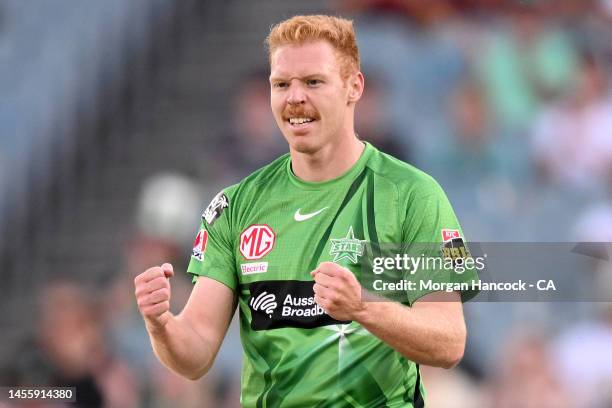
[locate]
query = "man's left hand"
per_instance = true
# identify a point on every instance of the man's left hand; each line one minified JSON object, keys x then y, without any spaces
{"x":337,"y":291}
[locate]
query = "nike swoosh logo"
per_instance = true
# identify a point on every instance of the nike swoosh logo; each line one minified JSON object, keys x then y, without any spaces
{"x":303,"y":217}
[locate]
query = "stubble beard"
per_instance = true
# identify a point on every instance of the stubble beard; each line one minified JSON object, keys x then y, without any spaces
{"x":303,"y":144}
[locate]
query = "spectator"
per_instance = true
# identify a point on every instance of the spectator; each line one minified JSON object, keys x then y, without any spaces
{"x":571,"y":139}
{"x":582,"y":352}
{"x":593,"y":29}
{"x":417,"y":65}
{"x":450,"y":389}
{"x":252,"y":127}
{"x":525,"y":377}
{"x":75,"y":353}
{"x":169,"y":390}
{"x":473,"y":149}
{"x":528,"y":61}
{"x":595,"y":223}
{"x":372,"y":121}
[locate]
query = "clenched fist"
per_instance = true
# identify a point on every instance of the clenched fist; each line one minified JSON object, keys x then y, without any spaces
{"x":337,"y":291}
{"x":153,"y":295}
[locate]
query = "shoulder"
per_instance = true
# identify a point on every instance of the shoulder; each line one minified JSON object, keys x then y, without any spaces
{"x":266,"y":173}
{"x":259,"y":179}
{"x":407,"y":179}
{"x":240,"y":196}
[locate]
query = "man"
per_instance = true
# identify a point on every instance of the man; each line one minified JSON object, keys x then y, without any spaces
{"x":287,"y":242}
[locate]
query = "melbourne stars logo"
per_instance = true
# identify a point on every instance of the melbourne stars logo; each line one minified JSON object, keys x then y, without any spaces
{"x":348,"y":247}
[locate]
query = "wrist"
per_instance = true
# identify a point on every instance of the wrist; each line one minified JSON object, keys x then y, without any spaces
{"x":363,"y":314}
{"x":157,"y":325}
{"x":372,"y":307}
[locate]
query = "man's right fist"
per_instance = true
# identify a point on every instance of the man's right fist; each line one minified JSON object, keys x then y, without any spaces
{"x":152,"y":290}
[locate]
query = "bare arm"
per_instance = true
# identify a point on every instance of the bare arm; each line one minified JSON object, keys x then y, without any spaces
{"x":431,"y":332}
{"x":188,"y":342}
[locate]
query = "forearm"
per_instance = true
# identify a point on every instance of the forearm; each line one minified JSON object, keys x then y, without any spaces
{"x":179,"y":347}
{"x":423,"y":335}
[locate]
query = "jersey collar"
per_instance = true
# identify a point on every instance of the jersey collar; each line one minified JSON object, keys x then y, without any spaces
{"x":348,"y":176}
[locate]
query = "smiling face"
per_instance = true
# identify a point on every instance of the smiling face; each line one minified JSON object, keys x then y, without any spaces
{"x":311,"y":102}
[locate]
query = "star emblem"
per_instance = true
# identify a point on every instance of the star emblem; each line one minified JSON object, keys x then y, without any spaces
{"x":340,"y":333}
{"x":348,"y":247}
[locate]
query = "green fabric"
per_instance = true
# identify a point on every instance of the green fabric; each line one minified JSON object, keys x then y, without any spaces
{"x":380,"y":199}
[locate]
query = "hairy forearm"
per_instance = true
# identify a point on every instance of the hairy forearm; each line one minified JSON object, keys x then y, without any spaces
{"x":179,"y":347}
{"x":424,"y":335}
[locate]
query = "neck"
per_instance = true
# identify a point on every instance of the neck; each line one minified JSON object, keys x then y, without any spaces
{"x":331,"y":161}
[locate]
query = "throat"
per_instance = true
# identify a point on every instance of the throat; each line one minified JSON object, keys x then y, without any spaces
{"x":327,"y":163}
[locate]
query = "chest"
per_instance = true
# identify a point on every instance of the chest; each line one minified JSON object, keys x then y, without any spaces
{"x":282,"y":238}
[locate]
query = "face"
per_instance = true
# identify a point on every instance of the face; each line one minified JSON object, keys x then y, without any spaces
{"x":312,"y":104}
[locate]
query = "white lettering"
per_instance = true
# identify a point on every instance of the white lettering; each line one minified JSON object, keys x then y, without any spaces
{"x":546,"y":285}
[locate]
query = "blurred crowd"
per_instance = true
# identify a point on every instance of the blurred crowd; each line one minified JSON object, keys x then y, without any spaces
{"x":507,"y":104}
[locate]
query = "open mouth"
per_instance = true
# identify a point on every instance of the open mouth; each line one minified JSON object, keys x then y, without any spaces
{"x":300,"y":120}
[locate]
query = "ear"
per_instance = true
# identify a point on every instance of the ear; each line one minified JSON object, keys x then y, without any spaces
{"x":356,"y":86}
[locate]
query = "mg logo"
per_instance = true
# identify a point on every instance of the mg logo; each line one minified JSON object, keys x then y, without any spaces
{"x":256,"y":241}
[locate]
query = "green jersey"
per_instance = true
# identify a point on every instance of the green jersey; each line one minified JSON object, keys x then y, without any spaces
{"x":263,"y":236}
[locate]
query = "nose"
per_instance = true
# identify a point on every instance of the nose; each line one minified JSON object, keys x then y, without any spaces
{"x":296,"y":94}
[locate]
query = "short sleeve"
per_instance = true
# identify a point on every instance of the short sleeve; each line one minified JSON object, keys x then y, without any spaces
{"x":432,"y":230}
{"x":213,"y":255}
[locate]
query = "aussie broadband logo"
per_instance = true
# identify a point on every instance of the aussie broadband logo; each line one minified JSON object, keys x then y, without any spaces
{"x":265,"y":302}
{"x":301,"y":306}
{"x":276,"y":304}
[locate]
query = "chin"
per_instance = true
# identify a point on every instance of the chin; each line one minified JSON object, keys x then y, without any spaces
{"x":303,"y":145}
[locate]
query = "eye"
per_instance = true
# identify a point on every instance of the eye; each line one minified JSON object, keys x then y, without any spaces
{"x":279,"y":85}
{"x":313,"y":82}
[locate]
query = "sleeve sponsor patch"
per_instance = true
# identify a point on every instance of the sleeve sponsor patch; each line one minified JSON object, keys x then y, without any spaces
{"x":448,"y":234}
{"x":199,"y":245}
{"x":453,"y":246}
{"x":215,"y":208}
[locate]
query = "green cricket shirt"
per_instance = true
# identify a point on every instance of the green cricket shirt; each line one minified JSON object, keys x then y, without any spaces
{"x":263,"y":236}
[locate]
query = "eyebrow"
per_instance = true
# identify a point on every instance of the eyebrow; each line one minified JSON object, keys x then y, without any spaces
{"x":304,"y":78}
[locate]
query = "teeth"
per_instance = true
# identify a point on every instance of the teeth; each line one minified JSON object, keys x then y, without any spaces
{"x":299,"y":121}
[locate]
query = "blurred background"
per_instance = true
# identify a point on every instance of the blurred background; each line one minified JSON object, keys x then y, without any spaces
{"x":120,"y":120}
